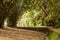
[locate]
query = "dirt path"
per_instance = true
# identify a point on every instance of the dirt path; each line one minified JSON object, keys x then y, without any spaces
{"x":21,"y":34}
{"x":5,"y":38}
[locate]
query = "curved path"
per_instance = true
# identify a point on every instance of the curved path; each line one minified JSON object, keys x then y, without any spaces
{"x":21,"y":34}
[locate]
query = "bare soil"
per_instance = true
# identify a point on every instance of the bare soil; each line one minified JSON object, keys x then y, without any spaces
{"x":21,"y":34}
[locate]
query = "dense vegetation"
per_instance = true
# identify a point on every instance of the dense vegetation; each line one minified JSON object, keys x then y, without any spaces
{"x":30,"y":13}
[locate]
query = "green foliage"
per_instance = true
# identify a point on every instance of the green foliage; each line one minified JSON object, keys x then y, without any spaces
{"x":53,"y":36}
{"x":36,"y":12}
{"x":46,"y":12}
{"x":30,"y":18}
{"x":4,"y":1}
{"x":31,"y":13}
